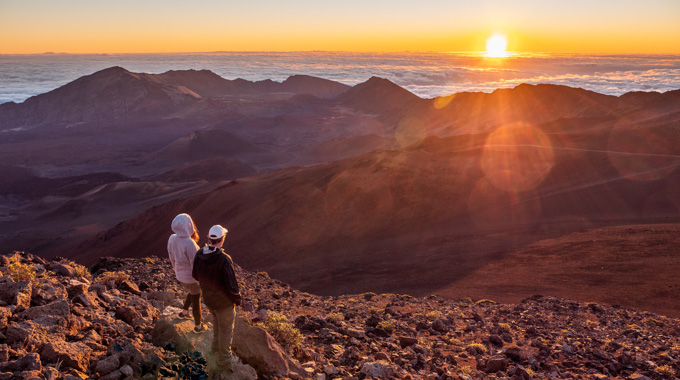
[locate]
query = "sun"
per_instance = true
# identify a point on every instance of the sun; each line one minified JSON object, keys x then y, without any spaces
{"x":496,"y":45}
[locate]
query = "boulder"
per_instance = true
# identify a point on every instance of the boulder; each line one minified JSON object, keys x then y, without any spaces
{"x":76,"y":288}
{"x":380,"y":369}
{"x":160,"y":295}
{"x":440,"y":325}
{"x":406,"y":341}
{"x":129,"y":286}
{"x":5,"y":314}
{"x":87,"y":299}
{"x":107,"y":365}
{"x":46,"y":291}
{"x":15,"y":293}
{"x":113,"y":375}
{"x":28,"y":362}
{"x":75,"y":355}
{"x":355,"y":333}
{"x":62,"y":269}
{"x":495,"y":364}
{"x":4,"y":353}
{"x":127,"y":314}
{"x":56,"y":309}
{"x":31,"y":334}
{"x":252,"y":344}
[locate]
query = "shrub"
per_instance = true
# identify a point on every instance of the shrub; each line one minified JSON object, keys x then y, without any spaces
{"x":81,"y":270}
{"x":263,"y":274}
{"x":654,"y":322}
{"x":434,"y":314}
{"x":149,"y":260}
{"x":282,"y":331}
{"x":21,"y":272}
{"x":369,"y":295}
{"x":666,"y":370}
{"x":466,"y":369}
{"x":117,"y":277}
{"x":504,"y":327}
{"x":388,"y":326}
{"x":335,"y":317}
{"x":478,"y":347}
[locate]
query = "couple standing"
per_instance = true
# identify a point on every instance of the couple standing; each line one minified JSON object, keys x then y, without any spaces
{"x":210,"y":271}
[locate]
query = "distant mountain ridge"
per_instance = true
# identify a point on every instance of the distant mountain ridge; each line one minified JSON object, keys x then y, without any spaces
{"x":116,"y":93}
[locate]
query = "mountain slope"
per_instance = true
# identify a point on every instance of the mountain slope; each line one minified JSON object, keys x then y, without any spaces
{"x":108,"y":94}
{"x":383,"y":220}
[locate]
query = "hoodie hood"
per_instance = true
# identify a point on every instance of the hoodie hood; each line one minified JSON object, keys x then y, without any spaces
{"x":183,"y":225}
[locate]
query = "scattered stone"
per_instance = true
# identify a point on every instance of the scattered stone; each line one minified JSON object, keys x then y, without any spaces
{"x":75,"y":355}
{"x":379,"y":369}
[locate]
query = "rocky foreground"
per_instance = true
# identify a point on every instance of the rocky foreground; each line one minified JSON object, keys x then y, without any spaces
{"x":59,"y":320}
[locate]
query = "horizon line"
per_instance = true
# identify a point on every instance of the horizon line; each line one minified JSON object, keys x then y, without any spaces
{"x":481,"y":53}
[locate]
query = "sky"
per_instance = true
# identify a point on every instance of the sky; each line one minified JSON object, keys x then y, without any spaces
{"x":152,"y":26}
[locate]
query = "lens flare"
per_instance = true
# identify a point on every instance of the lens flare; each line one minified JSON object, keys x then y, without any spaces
{"x":517,"y":158}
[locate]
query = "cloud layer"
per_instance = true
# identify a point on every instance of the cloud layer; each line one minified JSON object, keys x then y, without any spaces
{"x":425,"y":74}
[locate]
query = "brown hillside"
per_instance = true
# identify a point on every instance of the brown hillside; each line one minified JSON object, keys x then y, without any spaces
{"x":384,"y":220}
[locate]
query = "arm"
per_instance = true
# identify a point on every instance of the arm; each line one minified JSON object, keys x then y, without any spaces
{"x":230,"y":282}
{"x":170,"y":255}
{"x":194,"y":269}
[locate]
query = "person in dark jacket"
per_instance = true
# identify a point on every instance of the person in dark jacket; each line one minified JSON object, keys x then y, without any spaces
{"x":214,"y":271}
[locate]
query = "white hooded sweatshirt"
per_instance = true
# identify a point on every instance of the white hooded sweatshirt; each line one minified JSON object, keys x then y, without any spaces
{"x":182,"y":249}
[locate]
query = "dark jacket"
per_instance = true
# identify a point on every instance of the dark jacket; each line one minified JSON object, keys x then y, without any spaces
{"x":214,"y":271}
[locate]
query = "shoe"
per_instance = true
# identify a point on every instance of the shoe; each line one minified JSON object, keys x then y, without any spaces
{"x":225,"y":365}
{"x":184,"y":314}
{"x":200,"y":329}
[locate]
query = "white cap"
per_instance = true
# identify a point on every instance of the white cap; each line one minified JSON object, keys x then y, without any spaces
{"x":216,"y":232}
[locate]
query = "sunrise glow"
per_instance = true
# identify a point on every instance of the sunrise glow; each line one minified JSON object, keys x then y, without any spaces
{"x":71,"y":26}
{"x":496,"y":46}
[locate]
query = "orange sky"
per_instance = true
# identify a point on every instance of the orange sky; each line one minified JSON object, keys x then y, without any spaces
{"x":151,"y":26}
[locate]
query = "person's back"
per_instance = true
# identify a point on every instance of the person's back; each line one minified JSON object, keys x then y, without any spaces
{"x":182,"y":249}
{"x":214,"y":271}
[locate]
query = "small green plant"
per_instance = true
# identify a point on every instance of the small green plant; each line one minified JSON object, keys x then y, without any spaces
{"x":652,"y":321}
{"x":478,"y":347}
{"x":81,"y":270}
{"x":456,"y":342}
{"x":282,"y":331}
{"x":21,"y":272}
{"x":149,"y":260}
{"x":665,"y":370}
{"x":335,"y":318}
{"x":263,"y":274}
{"x":117,"y":277}
{"x":387,"y":326}
{"x":434,"y":314}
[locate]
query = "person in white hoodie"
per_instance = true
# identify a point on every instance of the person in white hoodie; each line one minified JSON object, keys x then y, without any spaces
{"x":182,"y":249}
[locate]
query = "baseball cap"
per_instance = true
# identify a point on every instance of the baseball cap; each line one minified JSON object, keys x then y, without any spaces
{"x":216,"y":232}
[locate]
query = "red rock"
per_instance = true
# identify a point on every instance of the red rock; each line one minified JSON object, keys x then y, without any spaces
{"x":75,"y":355}
{"x":56,"y":309}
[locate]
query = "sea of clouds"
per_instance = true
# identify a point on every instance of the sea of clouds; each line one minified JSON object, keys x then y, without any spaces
{"x":427,"y":75}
